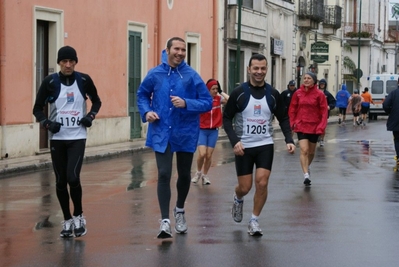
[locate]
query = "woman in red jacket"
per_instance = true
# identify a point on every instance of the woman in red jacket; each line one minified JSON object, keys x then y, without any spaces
{"x":308,"y":118}
{"x":210,"y":122}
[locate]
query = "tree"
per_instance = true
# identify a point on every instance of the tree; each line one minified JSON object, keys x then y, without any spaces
{"x":395,"y":10}
{"x":349,"y":64}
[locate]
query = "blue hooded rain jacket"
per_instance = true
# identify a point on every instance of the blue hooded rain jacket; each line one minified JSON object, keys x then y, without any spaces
{"x":342,"y":97}
{"x":177,"y":126}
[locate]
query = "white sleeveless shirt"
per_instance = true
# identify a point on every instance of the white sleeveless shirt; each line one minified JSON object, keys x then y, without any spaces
{"x":70,"y":107}
{"x":256,"y":123}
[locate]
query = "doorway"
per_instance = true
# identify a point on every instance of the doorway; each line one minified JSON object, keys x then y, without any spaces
{"x":42,"y":66}
{"x":135,"y":40}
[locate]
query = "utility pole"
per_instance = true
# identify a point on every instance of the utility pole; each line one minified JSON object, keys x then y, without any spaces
{"x":358,"y":44}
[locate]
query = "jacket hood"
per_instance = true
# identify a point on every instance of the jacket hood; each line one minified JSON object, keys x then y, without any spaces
{"x":343,"y":87}
{"x":325,"y":82}
{"x":166,"y":64}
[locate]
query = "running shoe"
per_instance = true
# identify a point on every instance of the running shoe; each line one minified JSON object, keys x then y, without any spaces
{"x":339,"y":121}
{"x":196,"y":177}
{"x":79,"y":224}
{"x":236,"y":210}
{"x":181,"y":224}
{"x":205,"y":179}
{"x":321,"y":143}
{"x":164,"y":230}
{"x":67,"y":227}
{"x":253,"y":228}
{"x":306,"y":181}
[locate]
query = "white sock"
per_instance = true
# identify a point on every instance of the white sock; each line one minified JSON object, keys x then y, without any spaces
{"x":254,"y":217}
{"x":179,"y":210}
{"x":237,"y":199}
{"x":306,"y":175}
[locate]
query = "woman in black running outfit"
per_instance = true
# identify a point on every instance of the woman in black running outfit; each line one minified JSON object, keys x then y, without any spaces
{"x":66,"y":92}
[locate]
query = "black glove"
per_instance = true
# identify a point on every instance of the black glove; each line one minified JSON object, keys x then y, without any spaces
{"x":52,"y":126}
{"x":219,"y":88}
{"x":87,"y":121}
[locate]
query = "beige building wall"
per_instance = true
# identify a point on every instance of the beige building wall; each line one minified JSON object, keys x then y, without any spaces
{"x":98,"y":30}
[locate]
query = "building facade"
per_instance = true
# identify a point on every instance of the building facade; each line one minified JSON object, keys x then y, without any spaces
{"x":116,"y":42}
{"x":370,"y":31}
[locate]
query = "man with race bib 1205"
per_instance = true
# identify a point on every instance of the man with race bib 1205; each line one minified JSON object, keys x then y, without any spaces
{"x":251,"y":106}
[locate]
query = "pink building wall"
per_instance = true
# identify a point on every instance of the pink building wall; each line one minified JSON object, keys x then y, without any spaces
{"x":98,"y":30}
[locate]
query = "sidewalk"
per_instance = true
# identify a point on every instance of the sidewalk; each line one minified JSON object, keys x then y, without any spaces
{"x":16,"y":166}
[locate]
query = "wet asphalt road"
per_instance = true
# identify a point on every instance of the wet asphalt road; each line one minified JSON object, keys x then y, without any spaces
{"x":348,"y":217}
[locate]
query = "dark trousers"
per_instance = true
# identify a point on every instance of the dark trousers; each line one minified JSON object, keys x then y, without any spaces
{"x":396,"y":142}
{"x":67,"y":158}
{"x":164,"y":164}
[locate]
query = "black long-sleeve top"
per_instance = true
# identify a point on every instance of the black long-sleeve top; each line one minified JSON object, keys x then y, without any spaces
{"x":237,"y":102}
{"x":47,"y":89}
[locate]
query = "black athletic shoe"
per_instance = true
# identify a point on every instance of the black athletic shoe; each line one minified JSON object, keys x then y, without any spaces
{"x":306,"y":181}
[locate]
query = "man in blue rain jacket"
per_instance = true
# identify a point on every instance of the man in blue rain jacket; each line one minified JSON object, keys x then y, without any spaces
{"x":171,"y":98}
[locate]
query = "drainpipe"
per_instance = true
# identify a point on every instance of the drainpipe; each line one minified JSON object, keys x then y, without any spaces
{"x":215,"y":23}
{"x":156,"y":32}
{"x":225,"y":81}
{"x":237,"y":79}
{"x":2,"y":87}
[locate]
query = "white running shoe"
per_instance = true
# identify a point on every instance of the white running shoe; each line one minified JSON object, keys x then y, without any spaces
{"x":236,"y":210}
{"x":205,"y":179}
{"x":181,"y":224}
{"x":79,"y":223}
{"x":253,"y":228}
{"x":197,"y":176}
{"x":164,"y":230}
{"x":67,"y":227}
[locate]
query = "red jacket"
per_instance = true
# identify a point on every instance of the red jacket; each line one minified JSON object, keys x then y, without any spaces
{"x":308,"y":111}
{"x":212,"y":118}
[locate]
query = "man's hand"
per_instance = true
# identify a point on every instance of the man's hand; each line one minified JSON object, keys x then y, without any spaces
{"x":52,"y":126}
{"x":239,"y":149}
{"x":291,"y":148}
{"x":86,"y":121}
{"x":151,"y":116}
{"x":178,"y":102}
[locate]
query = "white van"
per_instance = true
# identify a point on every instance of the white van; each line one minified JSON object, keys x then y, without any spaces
{"x":380,"y":86}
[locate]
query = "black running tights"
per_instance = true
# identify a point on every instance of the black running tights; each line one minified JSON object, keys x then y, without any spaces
{"x":67,"y":157}
{"x":164,"y":164}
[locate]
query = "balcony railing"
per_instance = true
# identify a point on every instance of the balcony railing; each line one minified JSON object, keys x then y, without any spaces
{"x":311,"y":9}
{"x":351,"y":30}
{"x":332,"y":17}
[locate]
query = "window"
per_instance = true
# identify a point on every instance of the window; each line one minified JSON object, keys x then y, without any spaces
{"x":391,"y":86}
{"x":377,"y":87}
{"x":248,"y":3}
